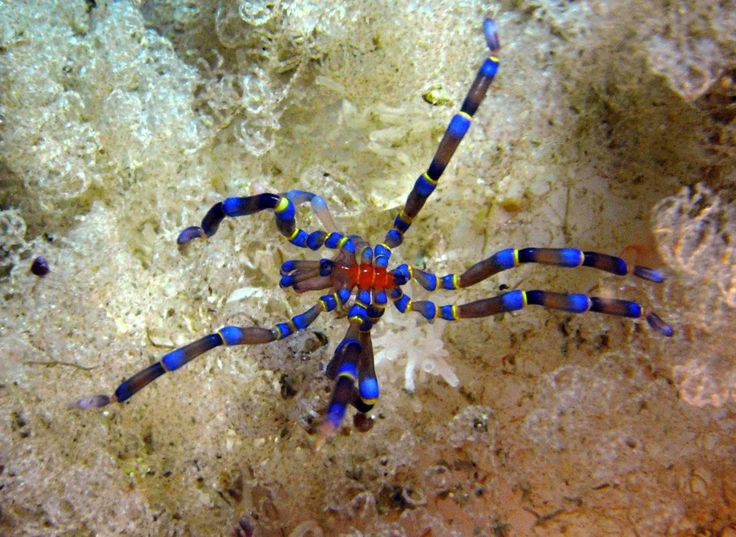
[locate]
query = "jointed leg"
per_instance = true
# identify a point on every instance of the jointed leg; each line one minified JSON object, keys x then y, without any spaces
{"x":513,"y":257}
{"x":229,"y":335}
{"x":284,"y":208}
{"x":352,"y":367}
{"x":517,"y":300}
{"x":459,"y":125}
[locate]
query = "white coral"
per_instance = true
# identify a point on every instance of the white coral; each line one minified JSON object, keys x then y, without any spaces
{"x":420,"y":342}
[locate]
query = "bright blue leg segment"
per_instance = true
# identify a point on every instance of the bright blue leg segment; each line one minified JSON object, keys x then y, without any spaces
{"x":383,"y":255}
{"x":613,"y":306}
{"x":459,"y":125}
{"x":562,"y":257}
{"x":427,"y":309}
{"x":344,"y":369}
{"x":425,"y":279}
{"x":342,"y":394}
{"x":400,"y":300}
{"x":608,"y":263}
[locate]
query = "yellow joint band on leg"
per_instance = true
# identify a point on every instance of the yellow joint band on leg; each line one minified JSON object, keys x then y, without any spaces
{"x":294,"y":233}
{"x":523,"y":296}
{"x":224,"y":341}
{"x":428,"y":178}
{"x":282,"y":205}
{"x":516,"y":257}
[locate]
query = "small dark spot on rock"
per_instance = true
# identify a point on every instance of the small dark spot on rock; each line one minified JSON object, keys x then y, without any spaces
{"x":287,"y":388}
{"x":40,"y":267}
{"x":362,"y":422}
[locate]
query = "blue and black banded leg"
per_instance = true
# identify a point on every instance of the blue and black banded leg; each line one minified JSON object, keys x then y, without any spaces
{"x":512,"y":257}
{"x":517,"y":300}
{"x":284,"y":210}
{"x":367,"y":393}
{"x":230,"y":207}
{"x":559,"y":257}
{"x":229,"y":336}
{"x":343,"y":368}
{"x":459,"y":125}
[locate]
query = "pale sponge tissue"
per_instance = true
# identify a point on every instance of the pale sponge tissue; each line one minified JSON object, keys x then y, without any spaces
{"x":419,"y":343}
{"x":696,"y":234}
{"x":122,"y":122}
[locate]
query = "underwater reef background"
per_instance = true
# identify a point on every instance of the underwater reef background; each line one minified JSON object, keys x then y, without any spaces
{"x":611,"y":126}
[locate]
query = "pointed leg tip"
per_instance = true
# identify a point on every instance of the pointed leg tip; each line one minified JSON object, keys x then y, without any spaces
{"x":491,"y":34}
{"x":650,"y":274}
{"x":659,"y":326}
{"x":324,"y":433}
{"x":95,"y":401}
{"x":189,"y":234}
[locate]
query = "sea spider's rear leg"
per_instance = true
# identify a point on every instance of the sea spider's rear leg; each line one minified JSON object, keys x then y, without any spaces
{"x":228,"y":336}
{"x":515,"y":300}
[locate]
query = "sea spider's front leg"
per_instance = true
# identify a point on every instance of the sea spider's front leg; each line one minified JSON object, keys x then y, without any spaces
{"x":459,"y":125}
{"x":284,"y":208}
